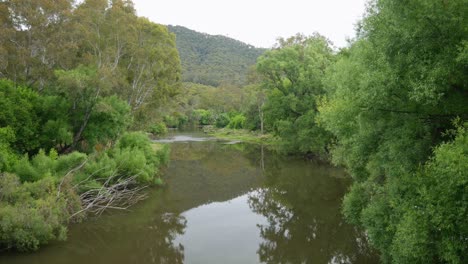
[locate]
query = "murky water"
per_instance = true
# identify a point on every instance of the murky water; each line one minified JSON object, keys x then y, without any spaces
{"x":223,"y":203}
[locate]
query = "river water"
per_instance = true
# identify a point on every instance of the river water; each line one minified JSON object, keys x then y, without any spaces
{"x":223,"y":202}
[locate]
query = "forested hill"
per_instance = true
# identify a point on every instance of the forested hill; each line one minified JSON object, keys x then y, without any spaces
{"x":212,"y":60}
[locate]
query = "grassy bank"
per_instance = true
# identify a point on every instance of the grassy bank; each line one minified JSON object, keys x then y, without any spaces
{"x":244,"y":135}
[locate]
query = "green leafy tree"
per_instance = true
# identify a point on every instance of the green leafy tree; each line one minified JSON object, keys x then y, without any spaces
{"x":293,"y":77}
{"x":392,"y":96}
{"x":237,"y":122}
{"x":34,"y":40}
{"x":137,"y":59}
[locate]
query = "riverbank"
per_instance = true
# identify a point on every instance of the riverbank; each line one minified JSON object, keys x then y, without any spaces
{"x":252,"y":137}
{"x":40,"y":196}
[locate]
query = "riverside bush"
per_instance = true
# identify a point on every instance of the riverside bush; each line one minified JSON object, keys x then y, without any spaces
{"x":133,"y":155}
{"x":222,"y":120}
{"x":158,"y":129}
{"x":31,"y":214}
{"x":237,"y":122}
{"x":42,"y":165}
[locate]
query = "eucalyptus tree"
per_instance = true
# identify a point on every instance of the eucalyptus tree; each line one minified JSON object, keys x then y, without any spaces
{"x":137,"y":58}
{"x":34,"y":39}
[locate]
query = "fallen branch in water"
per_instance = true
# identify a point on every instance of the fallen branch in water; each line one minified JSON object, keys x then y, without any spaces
{"x":115,"y":193}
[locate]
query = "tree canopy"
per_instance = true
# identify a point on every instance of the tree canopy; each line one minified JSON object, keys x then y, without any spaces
{"x":392,"y":99}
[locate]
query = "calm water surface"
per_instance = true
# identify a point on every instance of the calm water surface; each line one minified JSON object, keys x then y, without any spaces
{"x":224,"y":202}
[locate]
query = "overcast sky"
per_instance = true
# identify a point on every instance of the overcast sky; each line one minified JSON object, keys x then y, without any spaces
{"x":258,"y":22}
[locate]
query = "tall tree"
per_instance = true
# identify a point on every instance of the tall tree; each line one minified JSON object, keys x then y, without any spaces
{"x":293,"y":76}
{"x":392,"y":97}
{"x":137,"y":58}
{"x":34,"y":39}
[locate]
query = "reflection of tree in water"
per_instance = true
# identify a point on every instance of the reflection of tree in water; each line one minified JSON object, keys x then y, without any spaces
{"x":121,"y":242}
{"x":301,"y":203}
{"x":161,"y":248}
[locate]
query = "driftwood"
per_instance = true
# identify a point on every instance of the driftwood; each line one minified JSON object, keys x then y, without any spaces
{"x":116,"y":192}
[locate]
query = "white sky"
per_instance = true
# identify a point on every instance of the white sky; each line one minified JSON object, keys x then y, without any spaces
{"x":258,"y":22}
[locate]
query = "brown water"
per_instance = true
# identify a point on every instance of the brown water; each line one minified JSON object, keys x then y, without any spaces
{"x":223,"y":203}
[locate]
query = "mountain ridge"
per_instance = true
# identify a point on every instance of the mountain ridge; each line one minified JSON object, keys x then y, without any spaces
{"x":213,"y":59}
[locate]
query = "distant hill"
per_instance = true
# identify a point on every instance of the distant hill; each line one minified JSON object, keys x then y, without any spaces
{"x":213,"y":60}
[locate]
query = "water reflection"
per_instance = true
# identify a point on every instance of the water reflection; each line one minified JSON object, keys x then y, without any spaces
{"x":223,"y":203}
{"x":111,"y":241}
{"x":302,"y":206}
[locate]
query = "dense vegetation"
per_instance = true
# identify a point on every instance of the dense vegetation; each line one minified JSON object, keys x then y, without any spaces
{"x":397,"y":105}
{"x":392,"y":108}
{"x":213,"y":60}
{"x":74,"y":79}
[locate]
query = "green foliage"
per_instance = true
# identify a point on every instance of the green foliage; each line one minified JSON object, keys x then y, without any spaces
{"x":93,"y":119}
{"x":110,"y":119}
{"x":55,"y":126}
{"x":80,"y":74}
{"x":293,"y":77}
{"x":7,"y":156}
{"x":434,"y":207}
{"x":354,"y":202}
{"x":253,"y":109}
{"x":43,"y":165}
{"x":33,"y":44}
{"x":88,"y":50}
{"x":133,"y":155}
{"x":237,"y":122}
{"x":222,"y":120}
{"x":173,"y":121}
{"x":30,"y":214}
{"x":213,"y":60}
{"x":203,"y":117}
{"x":195,"y":97}
{"x":390,"y":99}
{"x":29,"y":114}
{"x":158,"y":129}
{"x":17,"y":111}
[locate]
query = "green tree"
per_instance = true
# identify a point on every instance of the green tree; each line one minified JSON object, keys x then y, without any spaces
{"x":34,"y":39}
{"x":293,"y":77}
{"x":18,"y":112}
{"x":137,"y":59}
{"x":254,"y":104}
{"x":392,"y":96}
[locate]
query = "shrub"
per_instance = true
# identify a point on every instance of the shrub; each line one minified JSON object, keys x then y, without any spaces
{"x":237,"y":122}
{"x":133,"y":155}
{"x":42,"y":165}
{"x":158,"y":129}
{"x":31,"y":214}
{"x":171,"y":121}
{"x":222,"y":120}
{"x":203,"y":117}
{"x":7,"y":157}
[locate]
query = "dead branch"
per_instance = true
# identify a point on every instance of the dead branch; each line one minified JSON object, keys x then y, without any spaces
{"x":118,"y":193}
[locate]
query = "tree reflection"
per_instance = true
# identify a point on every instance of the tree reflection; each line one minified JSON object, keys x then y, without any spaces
{"x":302,"y":208}
{"x":160,"y":240}
{"x":132,"y":241}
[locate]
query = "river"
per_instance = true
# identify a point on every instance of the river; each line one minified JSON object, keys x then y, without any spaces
{"x":223,"y":202}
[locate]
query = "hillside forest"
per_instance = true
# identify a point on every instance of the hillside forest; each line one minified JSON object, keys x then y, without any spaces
{"x":82,"y":86}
